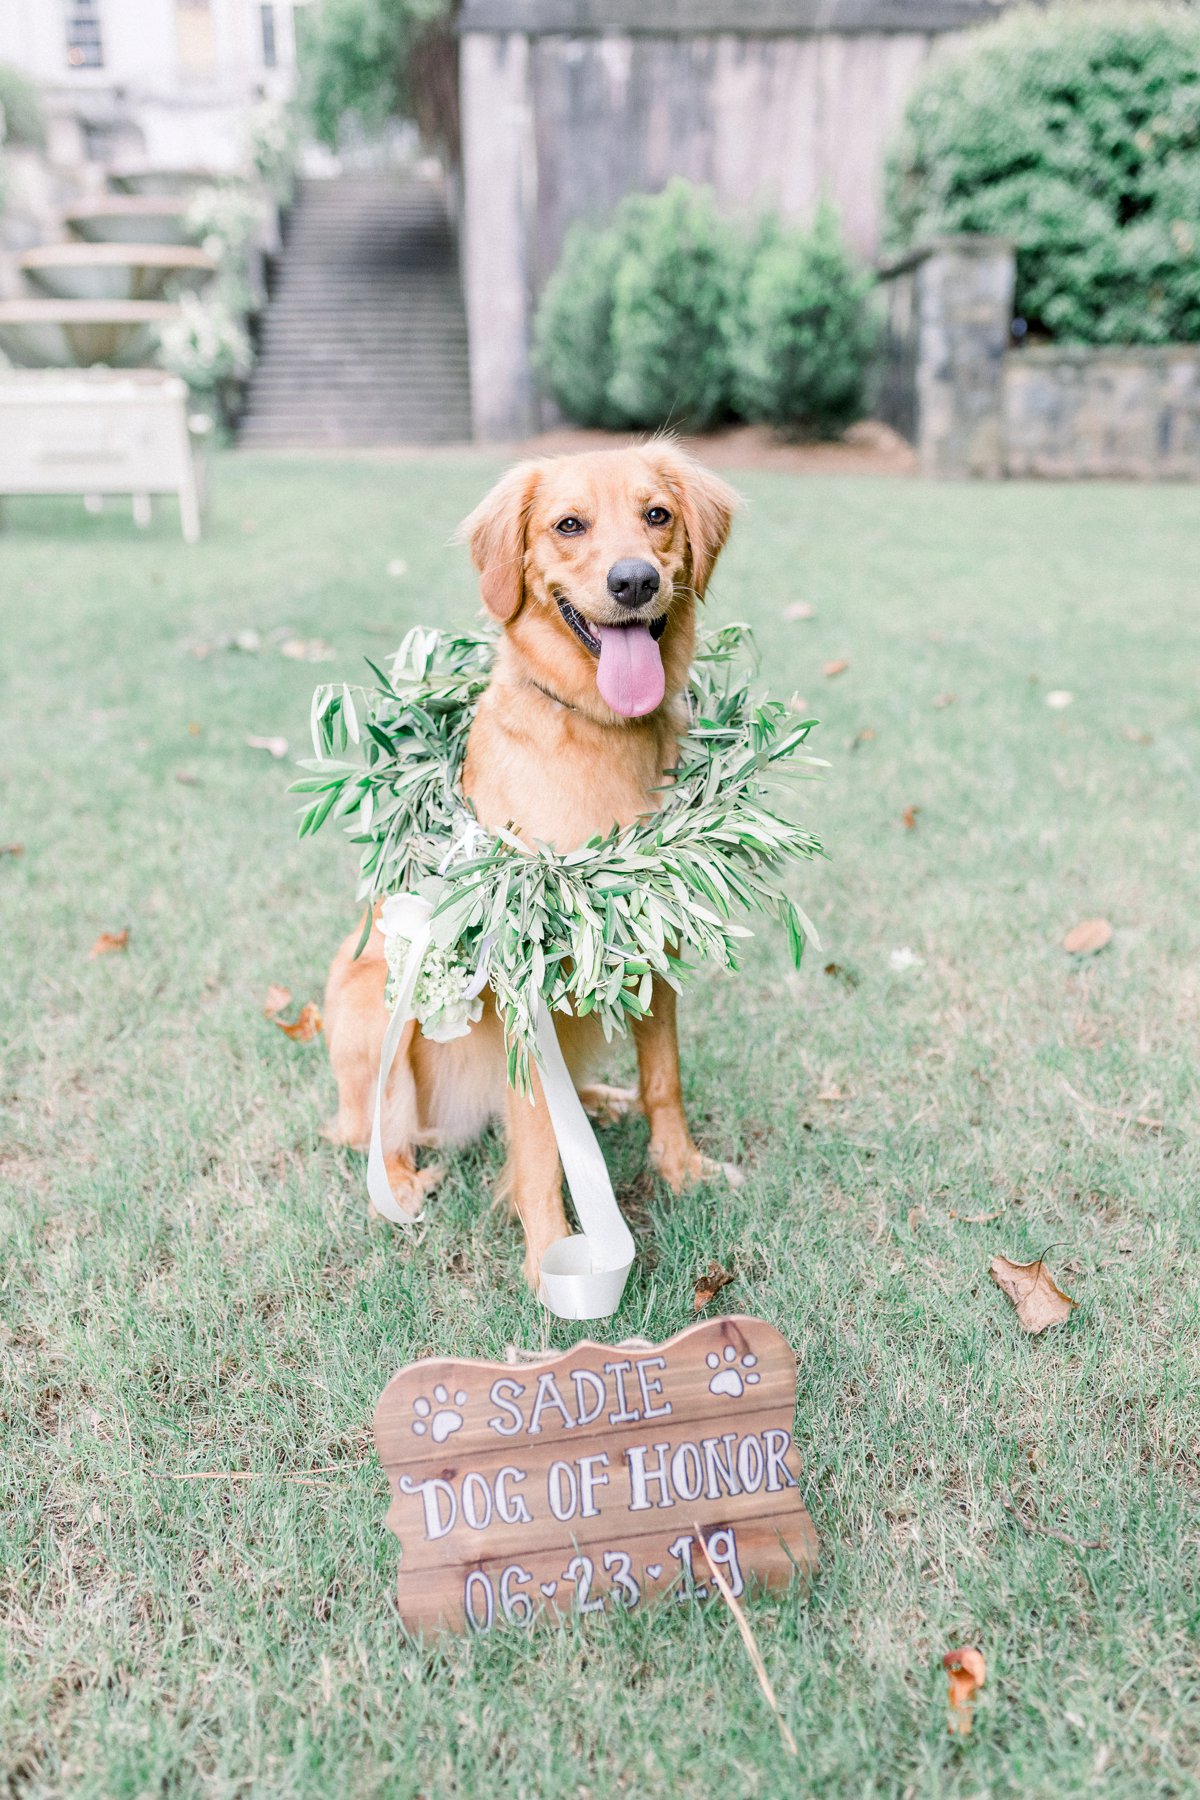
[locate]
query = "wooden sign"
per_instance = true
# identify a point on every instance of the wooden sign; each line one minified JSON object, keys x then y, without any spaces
{"x":583,"y":1481}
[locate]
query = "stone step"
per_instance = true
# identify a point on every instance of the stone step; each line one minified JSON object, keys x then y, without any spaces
{"x":364,"y":339}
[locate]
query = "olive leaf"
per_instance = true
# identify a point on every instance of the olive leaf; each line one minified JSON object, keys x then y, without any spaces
{"x":588,"y":929}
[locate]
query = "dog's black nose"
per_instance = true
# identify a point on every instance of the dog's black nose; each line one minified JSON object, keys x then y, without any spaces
{"x":632,"y":583}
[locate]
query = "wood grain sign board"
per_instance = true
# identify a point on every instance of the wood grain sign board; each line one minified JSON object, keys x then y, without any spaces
{"x":580,"y":1482}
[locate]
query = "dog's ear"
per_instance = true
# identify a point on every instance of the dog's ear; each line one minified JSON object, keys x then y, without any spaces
{"x":707,"y":504}
{"x":495,"y":532}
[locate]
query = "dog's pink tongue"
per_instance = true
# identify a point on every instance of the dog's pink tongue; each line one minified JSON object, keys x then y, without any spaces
{"x":630,"y":676}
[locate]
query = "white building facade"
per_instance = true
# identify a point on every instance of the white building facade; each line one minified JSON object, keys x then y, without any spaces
{"x":164,"y":82}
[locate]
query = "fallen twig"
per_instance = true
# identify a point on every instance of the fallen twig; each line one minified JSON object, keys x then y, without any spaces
{"x":305,"y":1480}
{"x":752,"y":1649}
{"x":1037,"y":1529}
{"x":1144,"y":1119}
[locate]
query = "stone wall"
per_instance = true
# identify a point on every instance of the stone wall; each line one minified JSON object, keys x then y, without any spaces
{"x":1103,"y":412}
{"x":949,"y":312}
{"x":567,"y":105}
{"x":975,"y":405}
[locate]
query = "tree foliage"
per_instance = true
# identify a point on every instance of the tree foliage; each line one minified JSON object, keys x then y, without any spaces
{"x":21,"y":120}
{"x":1076,"y":132}
{"x":360,"y":57}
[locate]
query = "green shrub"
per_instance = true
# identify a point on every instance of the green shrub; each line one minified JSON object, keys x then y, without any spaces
{"x":629,"y":329}
{"x":573,"y":330}
{"x":668,"y":316}
{"x":673,"y":289}
{"x":20,"y":109}
{"x":805,"y":332}
{"x":1076,"y":132}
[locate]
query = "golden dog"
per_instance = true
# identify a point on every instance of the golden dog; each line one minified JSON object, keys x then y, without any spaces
{"x":593,"y":565}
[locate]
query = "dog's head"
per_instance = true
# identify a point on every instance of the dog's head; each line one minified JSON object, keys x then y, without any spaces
{"x":593,"y":563}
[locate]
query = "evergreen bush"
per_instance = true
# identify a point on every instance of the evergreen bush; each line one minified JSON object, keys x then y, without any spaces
{"x":668,"y":316}
{"x":805,"y":333}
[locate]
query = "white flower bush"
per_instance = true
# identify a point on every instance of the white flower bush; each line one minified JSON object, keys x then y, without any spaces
{"x":225,"y":219}
{"x":272,"y":148}
{"x":205,"y":345}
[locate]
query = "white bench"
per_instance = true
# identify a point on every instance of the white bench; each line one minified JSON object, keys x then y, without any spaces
{"x":100,"y":431}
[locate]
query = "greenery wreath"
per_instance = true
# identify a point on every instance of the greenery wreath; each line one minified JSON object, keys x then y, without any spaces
{"x":589,"y":928}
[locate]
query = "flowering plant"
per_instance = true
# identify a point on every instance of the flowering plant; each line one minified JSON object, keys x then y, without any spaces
{"x":273,"y":148}
{"x":205,"y":345}
{"x":225,"y":218}
{"x":447,"y":999}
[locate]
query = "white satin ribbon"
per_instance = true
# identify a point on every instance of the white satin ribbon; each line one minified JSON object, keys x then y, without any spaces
{"x":584,"y":1275}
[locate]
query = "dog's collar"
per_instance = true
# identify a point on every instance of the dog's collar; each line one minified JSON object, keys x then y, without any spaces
{"x":550,"y":695}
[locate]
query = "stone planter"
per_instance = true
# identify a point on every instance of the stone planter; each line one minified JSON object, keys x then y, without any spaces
{"x":72,"y":334}
{"x":130,"y":219}
{"x":117,"y":271}
{"x":176,"y":184}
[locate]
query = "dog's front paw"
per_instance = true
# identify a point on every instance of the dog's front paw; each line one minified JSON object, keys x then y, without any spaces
{"x":682,"y":1166}
{"x":409,"y":1186}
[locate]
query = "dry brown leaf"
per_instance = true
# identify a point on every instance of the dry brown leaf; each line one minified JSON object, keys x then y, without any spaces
{"x":941,"y":700}
{"x":108,"y":941}
{"x":12,"y":849}
{"x":277,"y":746}
{"x":1040,"y":1303}
{"x":909,"y":815}
{"x":967,"y":1671}
{"x":837,"y":667}
{"x":1087,"y":937}
{"x":917,"y":1216}
{"x":277,"y":997}
{"x":303,"y":1029}
{"x":710,"y":1285}
{"x":975,"y":1218}
{"x":311,"y":650}
{"x":799,"y":609}
{"x":848,"y":977}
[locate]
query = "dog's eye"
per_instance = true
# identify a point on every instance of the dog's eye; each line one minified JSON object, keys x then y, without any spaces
{"x":658,"y":515}
{"x":570,"y":526}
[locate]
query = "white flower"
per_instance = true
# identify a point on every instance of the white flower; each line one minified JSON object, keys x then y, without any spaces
{"x":204,"y":344}
{"x":403,"y":915}
{"x":444,"y":1004}
{"x":452,"y":1021}
{"x":903,"y":959}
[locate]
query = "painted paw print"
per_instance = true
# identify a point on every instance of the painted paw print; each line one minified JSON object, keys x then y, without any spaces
{"x":441,"y":1424}
{"x":729,"y":1380}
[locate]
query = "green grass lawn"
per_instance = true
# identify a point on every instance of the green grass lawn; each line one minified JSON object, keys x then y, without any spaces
{"x":190,"y":1281}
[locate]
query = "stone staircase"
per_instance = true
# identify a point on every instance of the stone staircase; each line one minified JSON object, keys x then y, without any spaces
{"x":365,"y":340}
